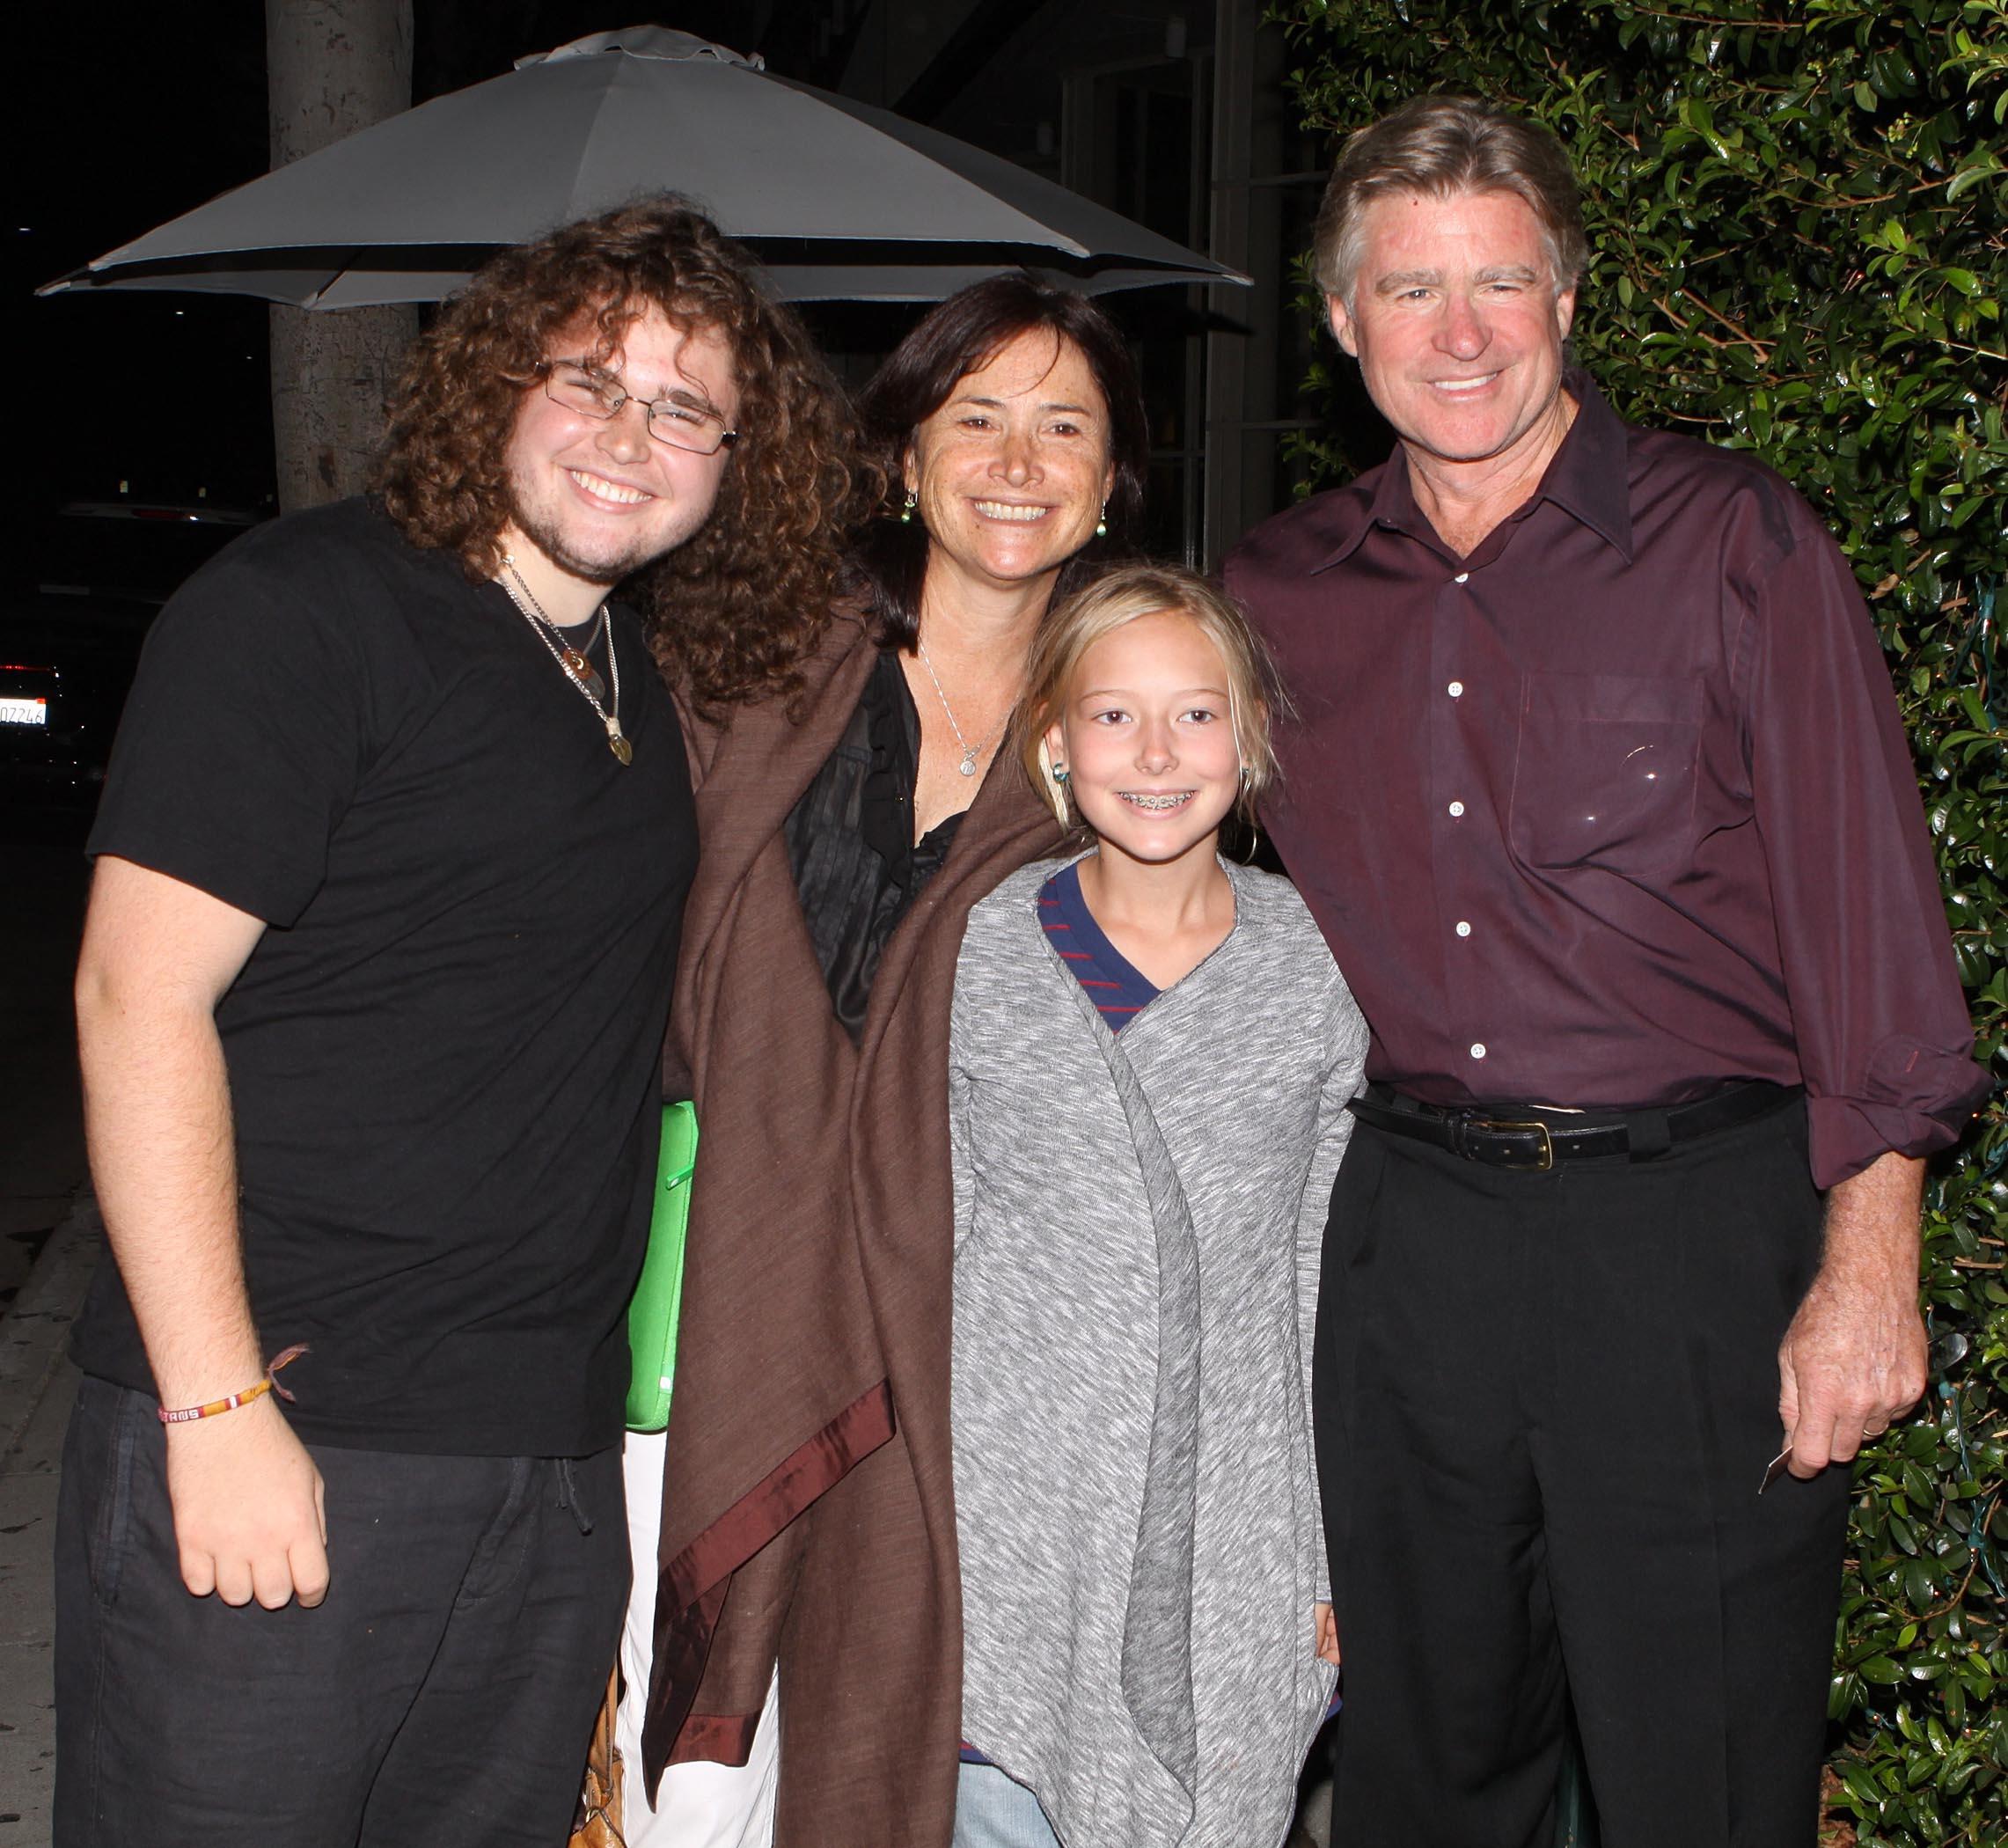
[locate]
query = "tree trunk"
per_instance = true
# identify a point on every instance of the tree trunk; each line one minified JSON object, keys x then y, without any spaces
{"x":333,"y":67}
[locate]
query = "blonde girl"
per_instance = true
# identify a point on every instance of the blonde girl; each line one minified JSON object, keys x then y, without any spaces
{"x":1151,"y":1053}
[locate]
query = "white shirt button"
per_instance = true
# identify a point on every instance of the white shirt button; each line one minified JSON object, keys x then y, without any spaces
{"x":1463,"y":578}
{"x":1457,"y":808}
{"x":1455,"y":689}
{"x":1478,"y":1051}
{"x":1463,"y":929}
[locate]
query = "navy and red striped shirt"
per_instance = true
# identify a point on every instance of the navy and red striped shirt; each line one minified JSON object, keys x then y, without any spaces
{"x":1112,"y":981}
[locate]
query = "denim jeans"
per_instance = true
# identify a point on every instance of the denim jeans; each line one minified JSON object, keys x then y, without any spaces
{"x":444,"y":1693}
{"x":993,"y":1811}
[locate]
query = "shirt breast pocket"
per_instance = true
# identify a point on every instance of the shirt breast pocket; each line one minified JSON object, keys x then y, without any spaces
{"x":1604,"y":773}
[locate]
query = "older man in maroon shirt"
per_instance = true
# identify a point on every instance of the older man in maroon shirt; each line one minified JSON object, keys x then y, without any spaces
{"x":1601,"y":797}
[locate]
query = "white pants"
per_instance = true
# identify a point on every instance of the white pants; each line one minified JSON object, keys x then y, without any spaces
{"x":698,"y":1805}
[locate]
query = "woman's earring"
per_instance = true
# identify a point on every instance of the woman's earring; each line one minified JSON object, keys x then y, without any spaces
{"x":907,"y":508}
{"x":1102,"y":524}
{"x":1059,"y":774}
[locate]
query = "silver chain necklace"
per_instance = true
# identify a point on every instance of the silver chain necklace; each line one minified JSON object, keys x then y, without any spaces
{"x":970,"y":753}
{"x":578,"y":670}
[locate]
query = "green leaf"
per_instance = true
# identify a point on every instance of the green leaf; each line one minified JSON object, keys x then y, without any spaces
{"x":1968,"y":177}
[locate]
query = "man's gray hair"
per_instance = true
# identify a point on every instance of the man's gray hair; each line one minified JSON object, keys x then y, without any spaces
{"x":1441,"y":146}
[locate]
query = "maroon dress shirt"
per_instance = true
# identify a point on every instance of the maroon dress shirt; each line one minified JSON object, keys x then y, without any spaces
{"x":1618,"y":809}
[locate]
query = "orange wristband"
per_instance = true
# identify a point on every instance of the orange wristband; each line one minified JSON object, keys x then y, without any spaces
{"x":187,"y":1414}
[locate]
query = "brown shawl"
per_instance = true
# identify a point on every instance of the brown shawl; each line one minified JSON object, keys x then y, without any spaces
{"x":807,"y":1508}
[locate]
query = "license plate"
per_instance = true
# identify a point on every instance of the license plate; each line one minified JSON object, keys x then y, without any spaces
{"x":18,"y":711}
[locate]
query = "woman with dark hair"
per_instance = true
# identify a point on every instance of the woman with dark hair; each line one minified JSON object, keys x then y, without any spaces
{"x":807,"y":1523}
{"x":913,"y":387}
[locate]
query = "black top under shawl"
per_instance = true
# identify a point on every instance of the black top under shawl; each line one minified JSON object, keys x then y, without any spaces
{"x":850,"y":841}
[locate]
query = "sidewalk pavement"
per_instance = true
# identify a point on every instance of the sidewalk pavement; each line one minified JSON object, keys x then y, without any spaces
{"x":37,"y":1384}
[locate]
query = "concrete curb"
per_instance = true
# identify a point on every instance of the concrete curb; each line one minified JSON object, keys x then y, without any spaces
{"x":34,"y":1332}
{"x":36,"y":1384}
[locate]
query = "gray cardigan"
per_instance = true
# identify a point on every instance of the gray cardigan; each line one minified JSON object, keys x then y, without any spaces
{"x":1137,"y":1224}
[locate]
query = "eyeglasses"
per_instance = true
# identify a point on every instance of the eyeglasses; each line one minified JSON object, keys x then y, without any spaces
{"x":678,"y":420}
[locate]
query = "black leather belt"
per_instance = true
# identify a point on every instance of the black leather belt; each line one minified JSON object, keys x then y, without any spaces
{"x":1532,"y":1138}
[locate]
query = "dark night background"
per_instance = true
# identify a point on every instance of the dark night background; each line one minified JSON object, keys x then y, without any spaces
{"x":132,"y":113}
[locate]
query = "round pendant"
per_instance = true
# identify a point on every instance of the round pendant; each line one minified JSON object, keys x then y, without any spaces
{"x":576,"y":664}
{"x":968,"y":764}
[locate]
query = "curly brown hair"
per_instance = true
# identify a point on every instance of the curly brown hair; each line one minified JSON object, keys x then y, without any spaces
{"x":731,"y":611}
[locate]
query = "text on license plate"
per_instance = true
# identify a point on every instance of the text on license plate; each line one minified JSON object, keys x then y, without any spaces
{"x":16,"y":711}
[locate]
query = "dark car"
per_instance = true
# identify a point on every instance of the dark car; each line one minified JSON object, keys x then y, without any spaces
{"x":71,"y":636}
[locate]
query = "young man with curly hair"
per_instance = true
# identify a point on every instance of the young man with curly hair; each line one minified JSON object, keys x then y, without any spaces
{"x":390,"y":874}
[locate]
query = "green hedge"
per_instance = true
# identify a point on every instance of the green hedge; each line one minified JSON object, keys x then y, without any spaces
{"x":1796,"y":213}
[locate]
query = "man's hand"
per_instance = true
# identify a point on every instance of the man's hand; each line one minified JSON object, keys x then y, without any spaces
{"x":1854,"y":1357}
{"x":249,"y":1521}
{"x":1324,"y":1634}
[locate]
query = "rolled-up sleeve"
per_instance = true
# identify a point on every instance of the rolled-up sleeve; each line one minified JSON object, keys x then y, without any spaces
{"x":1881,"y":1027}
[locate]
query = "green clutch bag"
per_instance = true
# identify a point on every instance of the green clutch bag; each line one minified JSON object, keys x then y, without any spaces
{"x":652,"y":1315}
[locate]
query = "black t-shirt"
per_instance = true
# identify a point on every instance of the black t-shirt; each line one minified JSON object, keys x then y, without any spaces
{"x":443,"y":1051}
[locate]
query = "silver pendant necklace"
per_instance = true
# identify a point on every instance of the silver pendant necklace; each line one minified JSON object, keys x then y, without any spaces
{"x":578,"y":669}
{"x":970,"y":753}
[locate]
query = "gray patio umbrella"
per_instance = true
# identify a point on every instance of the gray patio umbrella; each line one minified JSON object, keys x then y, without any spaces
{"x":843,"y":201}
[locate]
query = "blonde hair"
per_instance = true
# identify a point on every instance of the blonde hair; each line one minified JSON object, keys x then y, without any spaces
{"x":1121,"y":596}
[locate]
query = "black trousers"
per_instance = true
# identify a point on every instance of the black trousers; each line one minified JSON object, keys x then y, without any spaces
{"x":1544,"y":1403}
{"x":444,"y":1693}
